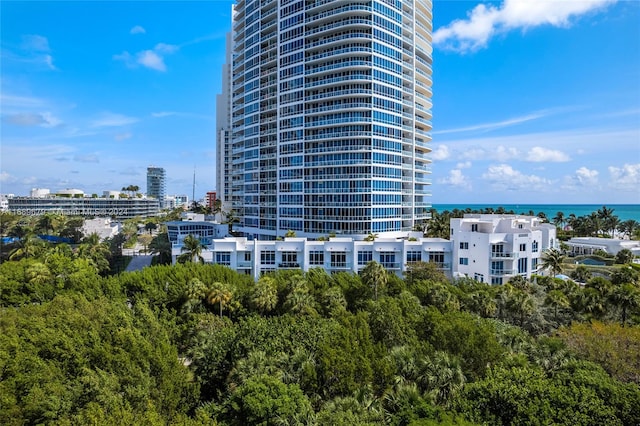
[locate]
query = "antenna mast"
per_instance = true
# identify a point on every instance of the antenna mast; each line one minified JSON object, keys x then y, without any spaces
{"x":193,"y":193}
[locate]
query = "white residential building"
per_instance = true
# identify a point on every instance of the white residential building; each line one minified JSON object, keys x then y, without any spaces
{"x":255,"y":257}
{"x":495,"y":248}
{"x":588,"y":245}
{"x":488,"y":248}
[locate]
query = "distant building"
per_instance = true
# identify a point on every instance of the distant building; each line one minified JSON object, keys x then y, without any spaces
{"x":157,"y":184}
{"x":103,"y":227}
{"x":494,"y":248}
{"x":589,"y":245}
{"x":75,"y":203}
{"x":210,"y":199}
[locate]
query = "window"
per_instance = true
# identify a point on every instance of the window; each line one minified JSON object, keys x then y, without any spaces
{"x":316,"y":258}
{"x":339,"y":259}
{"x":364,"y":257}
{"x":464,"y":260}
{"x":534,"y":247}
{"x":497,"y":268}
{"x":534,"y":264}
{"x":437,"y":257}
{"x":522,"y":265}
{"x":464,"y":245}
{"x":247,"y":256}
{"x":223,"y":258}
{"x":474,"y":227}
{"x":478,"y":277}
{"x":496,"y":280}
{"x":289,"y":259}
{"x":414,"y":256}
{"x":388,"y":259}
{"x":268,"y":257}
{"x":523,"y":247}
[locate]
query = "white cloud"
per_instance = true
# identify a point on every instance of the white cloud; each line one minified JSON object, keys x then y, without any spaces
{"x":540,"y":154}
{"x":626,"y":177}
{"x":163,"y":114}
{"x":123,"y":136}
{"x":137,"y":30}
{"x":30,"y":119}
{"x":151,"y":59}
{"x":586,"y":176}
{"x":35,"y":43}
{"x":19,"y":101}
{"x":440,"y":153}
{"x":486,"y":21}
{"x":495,"y":125}
{"x":165,"y":48}
{"x":465,"y":165}
{"x":34,"y":49}
{"x":456,"y":178}
{"x":113,"y":120}
{"x":504,"y":177}
{"x":503,"y":153}
{"x":6,"y":177}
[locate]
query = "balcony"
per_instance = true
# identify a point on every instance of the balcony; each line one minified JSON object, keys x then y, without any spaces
{"x":500,"y":255}
{"x":502,"y":272}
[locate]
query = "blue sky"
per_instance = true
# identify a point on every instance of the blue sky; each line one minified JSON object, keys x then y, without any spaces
{"x":534,"y":101}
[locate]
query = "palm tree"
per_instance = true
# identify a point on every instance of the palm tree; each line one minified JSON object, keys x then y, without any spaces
{"x":559,"y":220}
{"x":265,"y":294}
{"x":552,"y":259}
{"x":556,"y":299}
{"x":96,"y":251}
{"x":29,"y":246}
{"x":194,"y":294}
{"x":607,"y":217}
{"x":628,"y":227}
{"x":520,"y":303}
{"x":442,"y":375}
{"x":438,"y":225}
{"x":299,"y":300}
{"x":626,"y":297}
{"x":230,"y":219}
{"x":191,"y":250}
{"x":375,"y":276}
{"x":219,"y":293}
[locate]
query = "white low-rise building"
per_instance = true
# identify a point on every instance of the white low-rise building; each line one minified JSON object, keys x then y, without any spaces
{"x":589,"y":245}
{"x":487,"y":248}
{"x":255,"y":257}
{"x":104,"y":227}
{"x":495,"y":248}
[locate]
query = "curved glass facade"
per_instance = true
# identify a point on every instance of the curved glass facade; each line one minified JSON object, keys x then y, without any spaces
{"x":331,"y":110}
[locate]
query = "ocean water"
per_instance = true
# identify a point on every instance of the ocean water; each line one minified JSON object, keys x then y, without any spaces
{"x":623,"y":211}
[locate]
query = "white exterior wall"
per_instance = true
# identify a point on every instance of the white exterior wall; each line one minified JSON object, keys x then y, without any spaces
{"x":496,"y":246}
{"x":392,"y":253}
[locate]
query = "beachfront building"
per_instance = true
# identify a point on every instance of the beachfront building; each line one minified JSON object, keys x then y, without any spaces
{"x":488,"y":248}
{"x":495,"y":248}
{"x":324,"y":121}
{"x":344,"y":254}
{"x":74,"y":202}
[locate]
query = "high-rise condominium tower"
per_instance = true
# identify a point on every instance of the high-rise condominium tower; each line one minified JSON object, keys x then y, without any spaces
{"x":156,"y":183}
{"x":330,"y":108}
